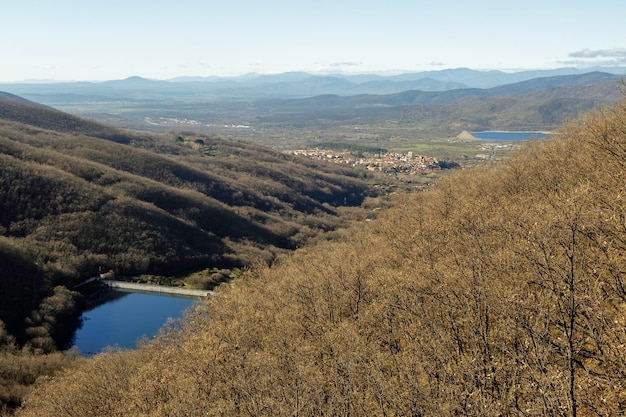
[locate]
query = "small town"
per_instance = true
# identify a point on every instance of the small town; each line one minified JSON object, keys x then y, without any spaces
{"x":387,"y":163}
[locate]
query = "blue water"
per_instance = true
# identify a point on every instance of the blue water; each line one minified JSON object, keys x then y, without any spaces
{"x":125,"y":320}
{"x":509,"y":136}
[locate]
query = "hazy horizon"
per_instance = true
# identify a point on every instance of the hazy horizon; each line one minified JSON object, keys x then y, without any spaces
{"x":389,"y":73}
{"x":73,"y":40}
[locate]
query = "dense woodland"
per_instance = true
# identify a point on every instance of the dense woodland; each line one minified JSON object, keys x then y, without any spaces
{"x":499,"y":291}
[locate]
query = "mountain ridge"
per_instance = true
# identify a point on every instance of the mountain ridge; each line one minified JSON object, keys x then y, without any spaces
{"x":302,"y":84}
{"x":414,"y":97}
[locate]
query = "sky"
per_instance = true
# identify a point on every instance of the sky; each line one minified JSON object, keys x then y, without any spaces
{"x":91,"y":40}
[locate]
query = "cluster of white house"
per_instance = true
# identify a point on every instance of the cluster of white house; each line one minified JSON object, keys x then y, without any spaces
{"x":389,"y":162}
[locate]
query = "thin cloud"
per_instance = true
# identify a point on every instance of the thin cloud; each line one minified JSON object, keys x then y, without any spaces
{"x":344,"y":64}
{"x":599,"y":53}
{"x":437,"y":64}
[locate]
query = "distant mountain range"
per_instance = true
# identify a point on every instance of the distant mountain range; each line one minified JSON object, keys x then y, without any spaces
{"x":428,"y":80}
{"x":281,"y":110}
{"x":297,"y":84}
{"x":554,"y":86}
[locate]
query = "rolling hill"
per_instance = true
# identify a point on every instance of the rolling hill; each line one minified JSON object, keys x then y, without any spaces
{"x":78,"y":198}
{"x":17,"y":109}
{"x":415,"y":97}
{"x":410,"y":116}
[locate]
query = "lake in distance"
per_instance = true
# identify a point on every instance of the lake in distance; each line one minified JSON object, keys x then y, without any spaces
{"x":127,"y":319}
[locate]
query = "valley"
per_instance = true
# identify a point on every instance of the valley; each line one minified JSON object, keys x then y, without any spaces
{"x":299,"y":110}
{"x":301,"y":196}
{"x":497,"y":291}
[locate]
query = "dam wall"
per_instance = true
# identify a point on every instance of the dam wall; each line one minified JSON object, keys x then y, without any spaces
{"x":159,"y":289}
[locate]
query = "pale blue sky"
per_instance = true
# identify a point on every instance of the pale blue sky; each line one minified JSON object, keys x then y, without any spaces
{"x":114,"y":39}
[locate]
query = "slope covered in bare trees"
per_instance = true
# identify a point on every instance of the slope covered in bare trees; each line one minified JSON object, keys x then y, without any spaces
{"x":501,"y":291}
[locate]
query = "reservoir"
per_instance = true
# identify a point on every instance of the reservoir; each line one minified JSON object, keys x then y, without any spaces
{"x":509,"y":135}
{"x":127,"y":318}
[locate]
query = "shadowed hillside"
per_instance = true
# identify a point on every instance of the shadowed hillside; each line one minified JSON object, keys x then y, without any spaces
{"x":78,"y":198}
{"x":14,"y":108}
{"x":500,"y":291}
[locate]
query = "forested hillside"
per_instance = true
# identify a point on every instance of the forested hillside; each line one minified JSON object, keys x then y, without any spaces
{"x":78,"y":198}
{"x":499,"y":291}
